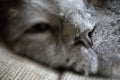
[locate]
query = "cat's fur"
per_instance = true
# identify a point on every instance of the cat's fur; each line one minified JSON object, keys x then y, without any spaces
{"x":54,"y":47}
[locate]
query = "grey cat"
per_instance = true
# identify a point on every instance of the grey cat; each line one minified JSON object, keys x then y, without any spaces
{"x":54,"y":32}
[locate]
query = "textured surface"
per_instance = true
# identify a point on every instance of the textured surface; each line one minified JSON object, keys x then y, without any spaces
{"x":13,"y":67}
{"x":106,"y":36}
{"x":71,"y":76}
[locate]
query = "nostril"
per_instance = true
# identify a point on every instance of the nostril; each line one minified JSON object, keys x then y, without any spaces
{"x":77,"y":39}
{"x":90,"y":34}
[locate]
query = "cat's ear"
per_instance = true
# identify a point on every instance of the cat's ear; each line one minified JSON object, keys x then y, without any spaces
{"x":97,"y":2}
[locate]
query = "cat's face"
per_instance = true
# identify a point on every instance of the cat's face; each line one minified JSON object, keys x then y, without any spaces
{"x":40,"y":34}
{"x":46,"y":31}
{"x":38,"y":29}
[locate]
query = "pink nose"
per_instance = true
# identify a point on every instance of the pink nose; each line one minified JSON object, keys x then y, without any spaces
{"x":84,"y":38}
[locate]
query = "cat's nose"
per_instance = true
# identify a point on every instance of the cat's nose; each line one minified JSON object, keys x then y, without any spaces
{"x":84,"y":38}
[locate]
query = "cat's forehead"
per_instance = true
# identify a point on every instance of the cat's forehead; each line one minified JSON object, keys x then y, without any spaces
{"x":33,"y":10}
{"x":50,"y":6}
{"x":39,"y":6}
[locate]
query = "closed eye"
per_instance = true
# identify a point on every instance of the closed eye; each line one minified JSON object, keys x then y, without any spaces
{"x":39,"y":27}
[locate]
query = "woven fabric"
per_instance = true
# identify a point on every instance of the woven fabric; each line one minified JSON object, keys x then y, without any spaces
{"x":14,"y":67}
{"x":72,"y":76}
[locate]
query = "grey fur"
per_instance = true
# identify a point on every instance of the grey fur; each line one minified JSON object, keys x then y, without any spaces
{"x":69,"y":18}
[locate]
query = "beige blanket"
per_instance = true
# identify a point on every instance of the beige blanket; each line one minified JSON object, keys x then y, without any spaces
{"x":14,"y":67}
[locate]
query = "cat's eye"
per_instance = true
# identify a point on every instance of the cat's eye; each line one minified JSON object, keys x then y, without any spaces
{"x":39,"y":27}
